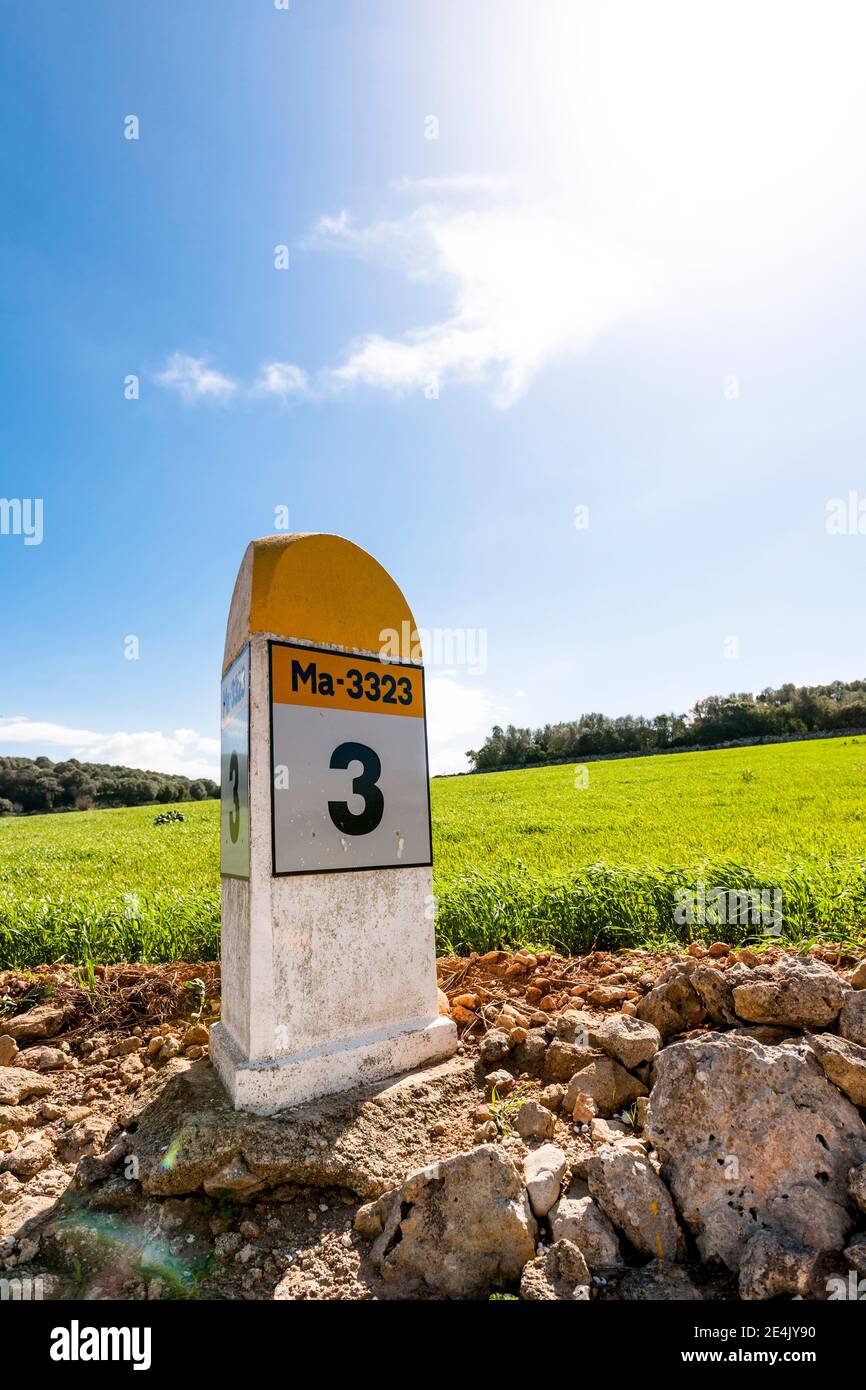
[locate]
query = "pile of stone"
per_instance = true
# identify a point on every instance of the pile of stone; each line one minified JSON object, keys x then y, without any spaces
{"x":740,"y":1145}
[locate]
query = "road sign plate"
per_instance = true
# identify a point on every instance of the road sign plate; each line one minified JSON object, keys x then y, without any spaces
{"x":350,"y":781}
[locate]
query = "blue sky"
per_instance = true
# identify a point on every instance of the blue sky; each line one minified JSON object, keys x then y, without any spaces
{"x":540,"y":258}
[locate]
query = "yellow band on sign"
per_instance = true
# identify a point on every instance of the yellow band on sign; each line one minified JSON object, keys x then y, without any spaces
{"x":332,"y":680}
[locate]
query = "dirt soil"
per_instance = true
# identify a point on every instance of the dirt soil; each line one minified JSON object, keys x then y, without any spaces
{"x":99,"y":1045}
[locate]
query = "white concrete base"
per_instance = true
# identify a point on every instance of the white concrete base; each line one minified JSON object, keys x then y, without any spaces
{"x":267,"y":1086}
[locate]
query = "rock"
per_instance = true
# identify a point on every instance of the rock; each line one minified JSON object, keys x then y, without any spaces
{"x":629,"y":1041}
{"x":10,"y":1186}
{"x":568,"y":1025}
{"x":8,"y":1140}
{"x":460,"y":1228}
{"x":559,"y":1272}
{"x":494,"y":1046}
{"x":858,"y":979}
{"x":772,"y":1266}
{"x":857,"y":1186}
{"x":563,"y":1059}
{"x":753,"y":1136}
{"x":500,"y":1081}
{"x":852,"y":1019}
{"x":543,"y":1170}
{"x":44,"y":1059}
{"x":443,"y":1005}
{"x":713,"y":988}
{"x":855,"y":1253}
{"x":673,"y":1005}
{"x":534,"y":1121}
{"x":843,"y":1062}
{"x":196,"y":1036}
{"x":608,"y":1132}
{"x":16,"y":1085}
{"x":27,"y":1160}
{"x":584,"y":1109}
{"x":551,"y":1096}
{"x":796,"y":992}
{"x":578,"y":1217}
{"x":364,"y":1140}
{"x":605,"y":1082}
{"x":42,"y":1021}
{"x":658,"y":1281}
{"x":634,"y":1198}
{"x":8,"y":1051}
{"x":529,"y":1056}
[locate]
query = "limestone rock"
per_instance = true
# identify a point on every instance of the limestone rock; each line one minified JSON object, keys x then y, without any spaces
{"x":713,"y":988}
{"x":501,"y":1081}
{"x":855,"y":1252}
{"x":494,"y":1046}
{"x":460,"y":1228}
{"x":44,"y":1059}
{"x":559,"y":1272}
{"x":605,"y":1082}
{"x":16,"y":1085}
{"x":629,"y":1041}
{"x":858,"y":979}
{"x":852,"y":1019}
{"x":551,"y":1096}
{"x":750,"y":1137}
{"x":28,"y":1159}
{"x":772,"y":1266}
{"x":584,"y":1110}
{"x":42,"y":1021}
{"x":673,"y":1005}
{"x":844,"y":1063}
{"x":797,"y":992}
{"x":563,"y":1059}
{"x":578,"y":1218}
{"x":543,"y":1170}
{"x":534,"y":1121}
{"x":529,"y":1055}
{"x":634,"y":1198}
{"x":189,"y":1138}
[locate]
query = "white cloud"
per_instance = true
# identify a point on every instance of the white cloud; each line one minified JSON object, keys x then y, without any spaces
{"x":185,"y":751}
{"x":529,"y":285}
{"x":282,"y":379}
{"x":458,"y":717}
{"x":193,"y":379}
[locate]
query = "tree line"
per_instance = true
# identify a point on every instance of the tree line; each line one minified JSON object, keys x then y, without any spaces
{"x":788,"y":712}
{"x":28,"y":784}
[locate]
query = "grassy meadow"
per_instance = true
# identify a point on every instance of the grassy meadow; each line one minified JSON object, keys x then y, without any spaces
{"x":562,"y":856}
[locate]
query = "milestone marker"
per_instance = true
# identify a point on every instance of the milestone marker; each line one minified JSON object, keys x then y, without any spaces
{"x":328,"y":959}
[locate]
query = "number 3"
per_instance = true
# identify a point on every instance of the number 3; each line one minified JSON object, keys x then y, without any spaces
{"x":235,"y":812}
{"x":362,"y":785}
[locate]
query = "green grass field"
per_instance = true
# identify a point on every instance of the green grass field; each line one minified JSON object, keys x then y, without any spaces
{"x":520,"y":858}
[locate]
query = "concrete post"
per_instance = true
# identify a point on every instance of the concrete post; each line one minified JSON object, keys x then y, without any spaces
{"x":328,"y":960}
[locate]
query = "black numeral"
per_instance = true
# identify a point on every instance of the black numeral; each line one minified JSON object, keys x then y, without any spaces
{"x":235,"y":813}
{"x":362,"y":785}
